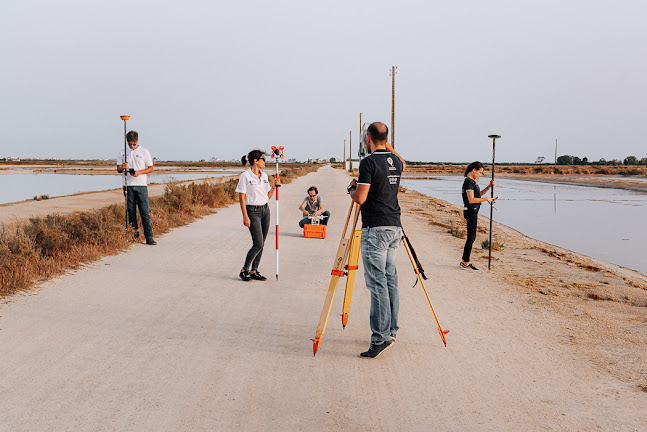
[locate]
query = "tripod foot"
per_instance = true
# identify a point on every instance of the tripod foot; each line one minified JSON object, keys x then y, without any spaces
{"x":344,"y":320}
{"x":315,"y":345}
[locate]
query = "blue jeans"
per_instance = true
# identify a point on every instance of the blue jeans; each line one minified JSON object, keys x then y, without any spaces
{"x":379,"y":250}
{"x":138,"y":197}
{"x":259,"y":217}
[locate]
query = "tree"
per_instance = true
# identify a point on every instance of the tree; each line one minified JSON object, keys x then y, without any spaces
{"x":631,"y":160}
{"x":577,"y":161}
{"x":540,"y":159}
{"x":565,"y":160}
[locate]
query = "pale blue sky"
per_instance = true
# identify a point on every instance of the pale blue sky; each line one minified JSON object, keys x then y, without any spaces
{"x":208,"y":79}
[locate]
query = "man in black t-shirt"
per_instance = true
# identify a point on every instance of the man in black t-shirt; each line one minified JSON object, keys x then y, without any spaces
{"x":376,"y":191}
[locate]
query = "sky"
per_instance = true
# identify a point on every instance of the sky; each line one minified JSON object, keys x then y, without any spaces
{"x":216,"y":79}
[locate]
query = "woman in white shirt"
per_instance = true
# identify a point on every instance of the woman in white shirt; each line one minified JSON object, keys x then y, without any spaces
{"x":254,"y":192}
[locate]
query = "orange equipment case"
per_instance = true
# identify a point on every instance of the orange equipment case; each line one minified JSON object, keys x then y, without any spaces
{"x":314,"y":231}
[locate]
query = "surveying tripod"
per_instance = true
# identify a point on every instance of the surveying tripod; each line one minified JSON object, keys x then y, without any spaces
{"x":348,"y":251}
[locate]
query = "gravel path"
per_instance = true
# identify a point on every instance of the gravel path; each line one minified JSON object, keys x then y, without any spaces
{"x":167,"y":338}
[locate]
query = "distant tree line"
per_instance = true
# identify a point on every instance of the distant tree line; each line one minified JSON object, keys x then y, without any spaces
{"x":574,"y":160}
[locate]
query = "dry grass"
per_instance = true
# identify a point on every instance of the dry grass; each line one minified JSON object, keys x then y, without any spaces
{"x":45,"y":247}
{"x":457,"y":231}
{"x":497,"y":244}
{"x":613,"y":170}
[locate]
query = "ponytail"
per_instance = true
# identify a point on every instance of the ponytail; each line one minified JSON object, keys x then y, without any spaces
{"x":252,"y":156}
{"x":473,"y":166}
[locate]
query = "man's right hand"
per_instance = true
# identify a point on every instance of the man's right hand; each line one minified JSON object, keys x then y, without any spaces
{"x":247,"y":222}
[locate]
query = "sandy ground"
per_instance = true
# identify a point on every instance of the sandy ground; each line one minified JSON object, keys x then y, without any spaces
{"x":167,"y":338}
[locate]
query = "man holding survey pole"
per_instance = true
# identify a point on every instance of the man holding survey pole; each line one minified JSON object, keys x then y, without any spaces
{"x":376,"y":190}
{"x":137,"y":162}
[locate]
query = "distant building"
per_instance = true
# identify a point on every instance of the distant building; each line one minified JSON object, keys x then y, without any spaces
{"x":351,"y":164}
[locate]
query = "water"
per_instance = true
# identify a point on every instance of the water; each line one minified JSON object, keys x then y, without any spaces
{"x":20,"y":187}
{"x":602,"y":223}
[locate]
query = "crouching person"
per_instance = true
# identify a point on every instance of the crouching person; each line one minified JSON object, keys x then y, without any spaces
{"x":312,"y":206}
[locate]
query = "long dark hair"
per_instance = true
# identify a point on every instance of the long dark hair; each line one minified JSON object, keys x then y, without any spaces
{"x":476,"y":165}
{"x":252,"y":156}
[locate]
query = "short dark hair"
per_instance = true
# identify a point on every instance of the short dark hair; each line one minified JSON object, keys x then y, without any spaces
{"x":132,"y":136}
{"x":252,"y":156}
{"x":378,"y":132}
{"x":313,"y":188}
{"x":476,"y":165}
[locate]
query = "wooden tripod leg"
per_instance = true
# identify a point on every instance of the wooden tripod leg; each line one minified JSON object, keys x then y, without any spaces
{"x":337,"y":272}
{"x":415,"y":269}
{"x":353,"y":261}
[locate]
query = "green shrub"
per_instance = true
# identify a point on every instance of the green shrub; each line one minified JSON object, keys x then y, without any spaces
{"x":497,"y":245}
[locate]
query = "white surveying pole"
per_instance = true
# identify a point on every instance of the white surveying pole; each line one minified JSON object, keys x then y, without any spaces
{"x":277,"y":152}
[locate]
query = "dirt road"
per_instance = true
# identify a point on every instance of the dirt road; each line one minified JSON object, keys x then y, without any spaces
{"x":167,"y":338}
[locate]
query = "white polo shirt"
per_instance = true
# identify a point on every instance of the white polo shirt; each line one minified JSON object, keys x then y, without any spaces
{"x":138,"y":159}
{"x":255,"y":189}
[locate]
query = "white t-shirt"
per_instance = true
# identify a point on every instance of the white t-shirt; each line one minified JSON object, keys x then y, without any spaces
{"x":138,"y":159}
{"x":255,"y":189}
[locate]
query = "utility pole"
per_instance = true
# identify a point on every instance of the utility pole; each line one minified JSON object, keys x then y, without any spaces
{"x":393,"y":72}
{"x":350,"y":149}
{"x":344,"y":154}
{"x":555,"y":169}
{"x":360,"y":129}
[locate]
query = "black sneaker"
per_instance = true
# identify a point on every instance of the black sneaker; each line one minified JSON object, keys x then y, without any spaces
{"x":469,"y":267}
{"x":151,"y":242}
{"x":376,"y":349}
{"x":257,"y":276}
{"x":245,"y":275}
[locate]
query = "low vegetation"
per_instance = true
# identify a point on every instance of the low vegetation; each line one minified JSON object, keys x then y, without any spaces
{"x":613,"y":170}
{"x":497,"y":244}
{"x":41,"y":197}
{"x":456,"y":231}
{"x":44,"y":247}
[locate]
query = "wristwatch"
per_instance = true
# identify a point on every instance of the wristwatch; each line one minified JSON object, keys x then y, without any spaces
{"x":350,"y":188}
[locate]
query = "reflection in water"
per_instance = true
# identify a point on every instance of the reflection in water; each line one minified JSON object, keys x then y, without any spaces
{"x":599,"y":222}
{"x":20,"y":187}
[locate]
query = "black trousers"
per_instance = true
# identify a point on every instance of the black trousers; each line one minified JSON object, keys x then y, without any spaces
{"x":260,"y":225}
{"x":471,"y":216}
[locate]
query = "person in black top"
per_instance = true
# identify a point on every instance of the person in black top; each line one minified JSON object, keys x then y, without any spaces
{"x":472,"y":202}
{"x":376,"y":191}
